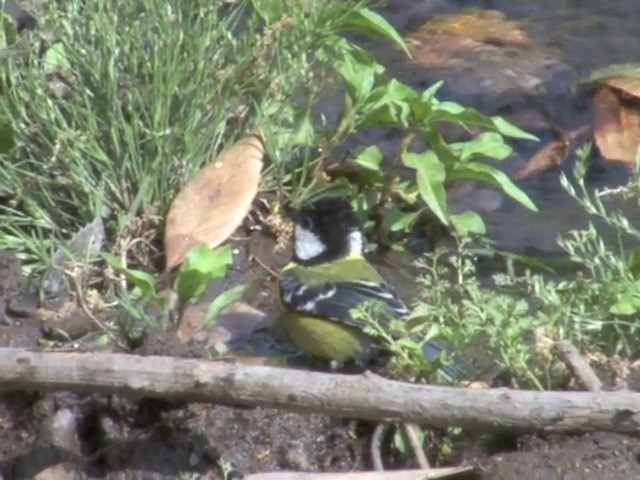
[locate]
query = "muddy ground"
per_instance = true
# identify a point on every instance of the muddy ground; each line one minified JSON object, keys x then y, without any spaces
{"x":60,"y":435}
{"x":102,"y":437}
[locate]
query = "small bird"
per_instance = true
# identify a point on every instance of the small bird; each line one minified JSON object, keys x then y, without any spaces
{"x":327,"y":278}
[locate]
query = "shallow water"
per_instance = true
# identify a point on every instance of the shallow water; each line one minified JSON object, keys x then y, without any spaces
{"x":567,"y":41}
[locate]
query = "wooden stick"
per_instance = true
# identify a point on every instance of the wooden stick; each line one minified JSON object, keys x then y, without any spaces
{"x":578,"y":365}
{"x":350,"y":396}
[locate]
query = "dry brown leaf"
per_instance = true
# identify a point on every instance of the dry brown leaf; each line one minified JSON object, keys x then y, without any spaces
{"x":628,"y":85}
{"x":215,"y":202}
{"x":551,"y":155}
{"x":616,"y":127}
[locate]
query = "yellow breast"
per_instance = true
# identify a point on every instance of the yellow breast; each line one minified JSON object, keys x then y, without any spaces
{"x":326,"y":339}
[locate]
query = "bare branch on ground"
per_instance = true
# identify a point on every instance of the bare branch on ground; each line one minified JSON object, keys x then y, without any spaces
{"x":350,"y":396}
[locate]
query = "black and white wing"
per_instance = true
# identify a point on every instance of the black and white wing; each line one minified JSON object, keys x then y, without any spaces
{"x":335,"y":300}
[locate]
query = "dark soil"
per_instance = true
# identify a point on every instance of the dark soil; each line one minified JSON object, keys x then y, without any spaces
{"x":110,"y":437}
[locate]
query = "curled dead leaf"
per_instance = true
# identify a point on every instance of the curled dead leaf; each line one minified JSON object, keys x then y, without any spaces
{"x":215,"y":202}
{"x":616,"y":127}
{"x":627,"y":85}
{"x":552,"y":154}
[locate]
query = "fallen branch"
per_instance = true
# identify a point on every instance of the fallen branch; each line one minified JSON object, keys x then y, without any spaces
{"x":352,"y":396}
{"x":578,"y":365}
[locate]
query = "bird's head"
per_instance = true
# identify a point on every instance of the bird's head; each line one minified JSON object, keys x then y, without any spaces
{"x":325,"y":230}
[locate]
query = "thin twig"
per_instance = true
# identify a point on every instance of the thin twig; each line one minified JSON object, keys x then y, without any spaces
{"x":578,"y":365}
{"x":389,"y":177}
{"x":265,"y":266}
{"x":376,"y":445}
{"x":411,"y":431}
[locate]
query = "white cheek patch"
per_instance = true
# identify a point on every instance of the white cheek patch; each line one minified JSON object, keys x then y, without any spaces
{"x":307,"y":244}
{"x":356,"y":243}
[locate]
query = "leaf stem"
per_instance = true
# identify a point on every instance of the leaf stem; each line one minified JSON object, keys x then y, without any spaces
{"x":387,"y":186}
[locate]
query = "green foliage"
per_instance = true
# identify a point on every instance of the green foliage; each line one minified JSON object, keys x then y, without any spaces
{"x":134,"y":97}
{"x":202,"y":266}
{"x":373,"y":99}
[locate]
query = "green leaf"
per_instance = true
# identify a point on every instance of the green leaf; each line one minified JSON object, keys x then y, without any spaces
{"x":10,"y":30}
{"x":430,"y":175}
{"x":201,"y":267}
{"x":493,"y":176}
{"x":456,"y":113}
{"x":468,"y":222}
{"x":222,"y":301}
{"x":421,"y":108}
{"x":213,"y":262}
{"x":368,"y":21}
{"x":510,"y":130}
{"x":145,"y":282}
{"x":357,"y":71}
{"x":368,"y":163}
{"x":395,"y":220}
{"x":7,"y":135}
{"x":633,"y":262}
{"x":270,"y":10}
{"x":389,"y":105}
{"x":55,"y":58}
{"x":191,"y":284}
{"x":488,"y":144}
{"x":628,"y":303}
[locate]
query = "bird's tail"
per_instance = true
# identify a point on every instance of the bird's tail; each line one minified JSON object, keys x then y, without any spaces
{"x":452,"y":372}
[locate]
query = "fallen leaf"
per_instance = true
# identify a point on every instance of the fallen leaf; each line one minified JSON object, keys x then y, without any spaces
{"x":551,"y":155}
{"x":616,"y":127}
{"x":215,"y":202}
{"x":628,"y":85}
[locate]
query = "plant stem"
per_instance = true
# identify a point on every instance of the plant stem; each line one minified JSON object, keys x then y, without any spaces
{"x":387,"y":186}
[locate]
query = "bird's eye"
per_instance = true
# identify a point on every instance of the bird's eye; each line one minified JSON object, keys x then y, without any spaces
{"x":306,"y":223}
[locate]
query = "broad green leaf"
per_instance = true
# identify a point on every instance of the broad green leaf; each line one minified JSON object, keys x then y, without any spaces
{"x":430,"y":175}
{"x":389,"y":104}
{"x":468,"y":222}
{"x":456,"y":113}
{"x":213,"y":262}
{"x":488,"y":144}
{"x":493,"y":176}
{"x":421,"y":107}
{"x":145,"y":282}
{"x":358,"y":73}
{"x":222,"y":301}
{"x":441,"y":148}
{"x":373,"y":23}
{"x":395,"y":220}
{"x":191,"y":284}
{"x":201,"y":266}
{"x":368,"y":163}
{"x":370,"y":158}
